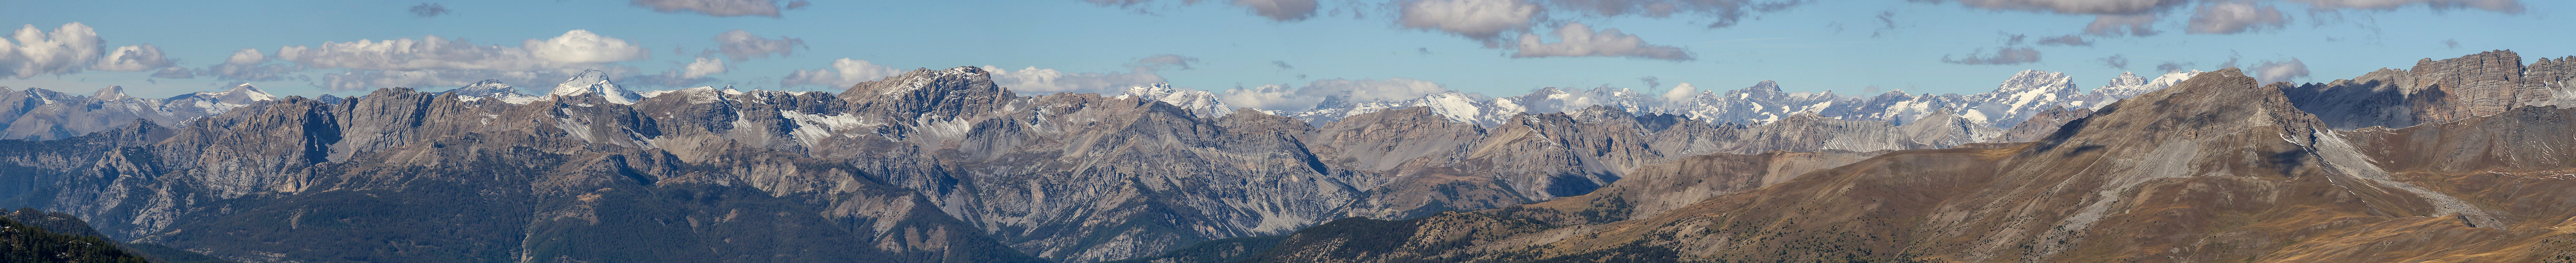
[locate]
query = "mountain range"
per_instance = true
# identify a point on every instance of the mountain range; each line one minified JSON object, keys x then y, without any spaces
{"x":945,"y":165}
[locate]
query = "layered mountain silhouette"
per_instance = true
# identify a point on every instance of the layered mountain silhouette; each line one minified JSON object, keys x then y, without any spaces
{"x":943,"y":165}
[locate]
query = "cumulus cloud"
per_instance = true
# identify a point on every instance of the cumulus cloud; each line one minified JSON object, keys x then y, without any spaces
{"x":174,"y":73}
{"x":582,"y":46}
{"x":688,"y":74}
{"x":1482,"y":20}
{"x":766,"y":8}
{"x":1268,"y":97}
{"x":1578,"y":40}
{"x":356,"y":79}
{"x":428,"y":10}
{"x":31,"y":51}
{"x":702,"y":68}
{"x":1681,"y":92}
{"x":2503,"y":6}
{"x":1034,"y":80}
{"x":2235,"y":17}
{"x":2279,"y":71}
{"x":2088,"y":7}
{"x":843,"y":73}
{"x":2066,"y":40}
{"x":250,"y":65}
{"x":1281,"y":10}
{"x":1722,"y":13}
{"x":1283,"y":98}
{"x":133,"y":58}
{"x":2003,"y":56}
{"x":437,"y":61}
{"x":742,"y":45}
{"x":2115,"y":25}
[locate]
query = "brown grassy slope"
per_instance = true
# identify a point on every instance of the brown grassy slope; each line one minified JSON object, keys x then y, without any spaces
{"x":2216,"y":169}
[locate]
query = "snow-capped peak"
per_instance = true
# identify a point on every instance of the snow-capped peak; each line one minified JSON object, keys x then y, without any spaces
{"x":2130,"y":85}
{"x":594,"y":81}
{"x":2127,"y":79}
{"x":485,"y":87}
{"x":111,"y":93}
{"x":250,"y":93}
{"x":1198,"y":102}
{"x":222,"y":101}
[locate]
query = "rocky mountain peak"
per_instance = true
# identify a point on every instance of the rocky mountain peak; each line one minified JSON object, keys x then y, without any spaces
{"x":241,"y":95}
{"x":1198,"y":102}
{"x":2218,"y":102}
{"x":595,"y":82}
{"x":2036,"y":80}
{"x":483,"y":88}
{"x":951,"y":92}
{"x":2127,"y":79}
{"x":110,"y":93}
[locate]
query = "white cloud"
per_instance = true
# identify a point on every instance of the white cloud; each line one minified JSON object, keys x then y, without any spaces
{"x":436,"y":61}
{"x":1723,"y":13}
{"x":1483,"y":20}
{"x":581,"y":46}
{"x":247,"y":56}
{"x":2278,"y":71}
{"x":133,"y":58}
{"x":2090,"y":7}
{"x":842,"y":74}
{"x":30,"y":51}
{"x":2003,"y":56}
{"x":1034,"y":80}
{"x":766,"y":8}
{"x":1280,"y":10}
{"x":1681,"y":92}
{"x":2235,"y":17}
{"x":1278,"y":97}
{"x":2115,"y":25}
{"x":361,"y":79}
{"x":741,"y":45}
{"x":2504,"y":6}
{"x":174,"y":73}
{"x":430,"y":52}
{"x":1578,"y":40}
{"x":250,"y":64}
{"x":1268,"y":97}
{"x":702,"y":68}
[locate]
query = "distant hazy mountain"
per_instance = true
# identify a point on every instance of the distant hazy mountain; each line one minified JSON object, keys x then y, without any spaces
{"x":40,"y":114}
{"x":2018,"y":98}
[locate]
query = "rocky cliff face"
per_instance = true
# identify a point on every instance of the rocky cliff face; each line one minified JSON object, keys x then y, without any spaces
{"x":2437,"y":91}
{"x":2216,"y":168}
{"x":930,"y":165}
{"x":2043,"y":125}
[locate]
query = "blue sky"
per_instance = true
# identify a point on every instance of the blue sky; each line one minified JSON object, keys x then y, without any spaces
{"x":1851,"y":47}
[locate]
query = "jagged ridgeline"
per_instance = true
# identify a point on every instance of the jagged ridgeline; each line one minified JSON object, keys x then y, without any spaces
{"x":931,"y":165}
{"x":944,"y":166}
{"x":2216,"y":168}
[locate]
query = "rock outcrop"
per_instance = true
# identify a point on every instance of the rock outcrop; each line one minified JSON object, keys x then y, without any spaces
{"x":2216,"y":168}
